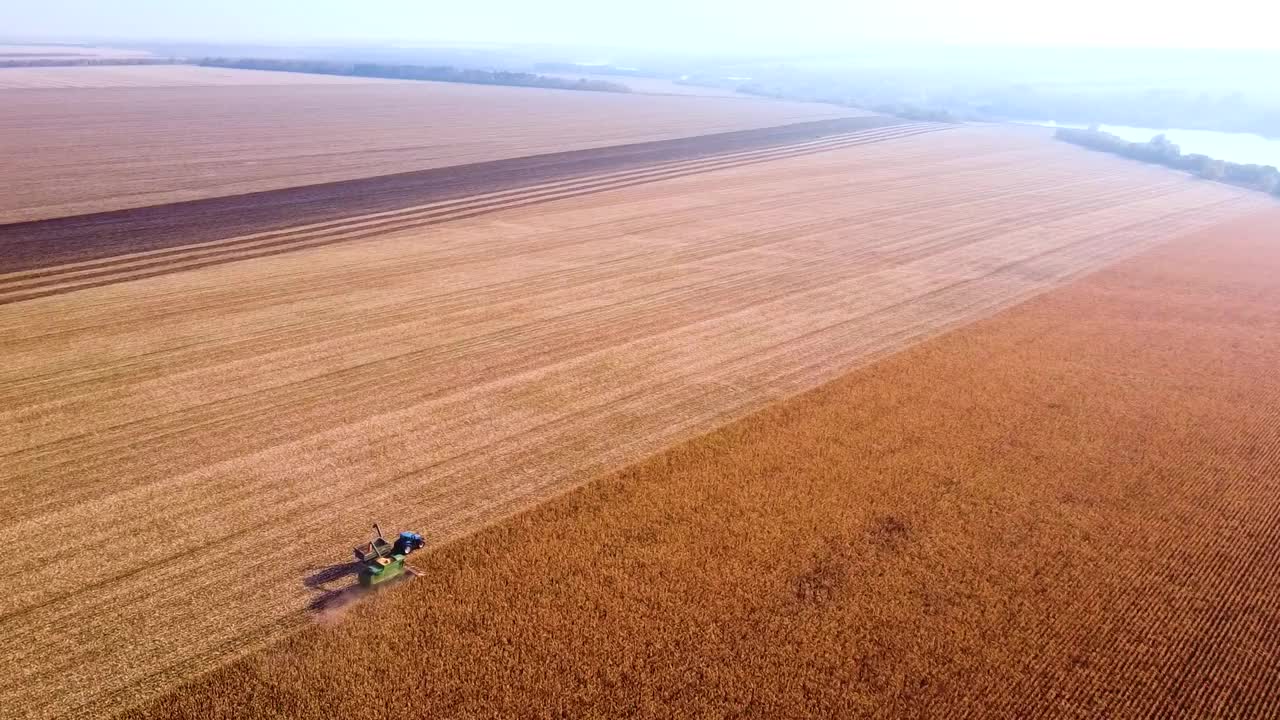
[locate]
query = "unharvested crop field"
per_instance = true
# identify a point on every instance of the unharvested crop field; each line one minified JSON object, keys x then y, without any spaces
{"x":219,"y":434}
{"x":1068,"y":510}
{"x":169,"y":144}
{"x":156,"y":76}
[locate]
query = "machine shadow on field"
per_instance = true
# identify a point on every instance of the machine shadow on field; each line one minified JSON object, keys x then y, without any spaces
{"x":323,"y":577}
{"x":333,"y":587}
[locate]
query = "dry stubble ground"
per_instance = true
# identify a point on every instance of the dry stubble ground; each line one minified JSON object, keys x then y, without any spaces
{"x":191,"y":427}
{"x":167,"y":144}
{"x":1068,"y":510}
{"x":99,"y":244}
{"x":63,"y":52}
{"x":156,"y":76}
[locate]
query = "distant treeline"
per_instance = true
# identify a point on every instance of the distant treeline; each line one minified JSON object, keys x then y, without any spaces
{"x":84,"y":61}
{"x":913,"y":112}
{"x":1258,"y":112}
{"x":565,"y":68}
{"x":1161,"y":151}
{"x":1226,"y":91}
{"x":414,"y":72}
{"x":903,"y":110}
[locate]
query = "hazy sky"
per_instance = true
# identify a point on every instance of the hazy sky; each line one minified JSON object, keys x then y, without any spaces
{"x":754,"y":25}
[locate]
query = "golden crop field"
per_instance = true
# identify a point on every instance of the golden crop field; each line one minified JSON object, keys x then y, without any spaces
{"x":220,"y":423}
{"x":168,"y":144}
{"x":1066,"y":510}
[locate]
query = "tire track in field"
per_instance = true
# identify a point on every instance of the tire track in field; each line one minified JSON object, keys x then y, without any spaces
{"x":958,"y":238}
{"x":436,"y":263}
{"x":383,"y":219}
{"x":473,"y":250}
{"x":58,"y":280}
{"x":31,"y":245}
{"x":345,"y":384}
{"x":356,"y":380}
{"x":391,"y":315}
{"x":342,"y":232}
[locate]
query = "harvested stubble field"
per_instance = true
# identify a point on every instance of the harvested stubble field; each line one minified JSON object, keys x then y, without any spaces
{"x":1067,"y":510}
{"x":92,"y":246}
{"x":169,"y":144}
{"x":63,"y":52}
{"x":452,"y":369}
{"x":156,"y":76}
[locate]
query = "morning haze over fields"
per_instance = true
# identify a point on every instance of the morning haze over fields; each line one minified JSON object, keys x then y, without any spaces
{"x":699,"y":359}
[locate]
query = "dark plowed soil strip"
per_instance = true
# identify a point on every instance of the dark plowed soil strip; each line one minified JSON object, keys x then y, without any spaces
{"x":44,"y":243}
{"x":105,"y":271}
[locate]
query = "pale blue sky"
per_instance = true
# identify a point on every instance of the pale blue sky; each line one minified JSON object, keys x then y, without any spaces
{"x":752,"y":25}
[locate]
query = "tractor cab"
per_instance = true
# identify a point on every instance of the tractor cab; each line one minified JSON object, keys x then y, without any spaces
{"x":408,"y":542}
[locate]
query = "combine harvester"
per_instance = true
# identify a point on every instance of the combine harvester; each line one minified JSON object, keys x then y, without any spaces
{"x":381,"y":561}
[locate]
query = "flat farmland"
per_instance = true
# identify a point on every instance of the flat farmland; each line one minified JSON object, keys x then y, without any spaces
{"x":220,"y":434}
{"x":1069,"y":509}
{"x":155,"y":76}
{"x":88,"y":245}
{"x":167,"y":144}
{"x":66,"y":52}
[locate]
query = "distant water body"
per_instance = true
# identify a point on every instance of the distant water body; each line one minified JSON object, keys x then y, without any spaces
{"x":1242,"y":148}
